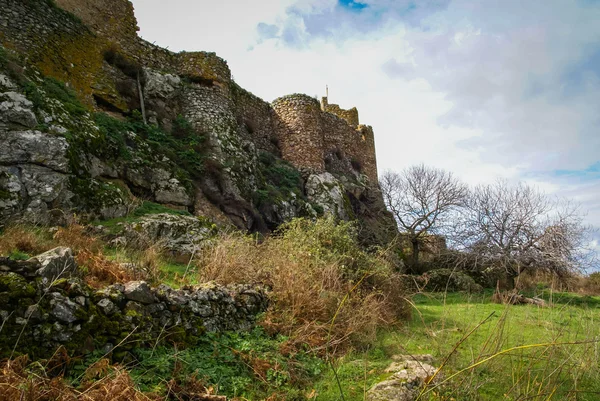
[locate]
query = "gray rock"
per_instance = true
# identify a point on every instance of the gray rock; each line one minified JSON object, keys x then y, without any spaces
{"x":180,"y":234}
{"x":62,"y":308}
{"x":159,"y":85}
{"x":43,"y":184}
{"x":328,"y":192}
{"x":32,"y":191}
{"x":139,"y":291}
{"x":6,"y":83}
{"x":409,"y":374}
{"x":34,"y":147}
{"x":168,"y":189}
{"x":113,"y":292}
{"x":97,"y":168}
{"x":107,"y":306}
{"x":16,"y":109}
{"x":56,"y":263}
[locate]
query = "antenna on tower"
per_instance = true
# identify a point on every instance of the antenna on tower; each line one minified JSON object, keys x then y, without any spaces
{"x":327,"y":91}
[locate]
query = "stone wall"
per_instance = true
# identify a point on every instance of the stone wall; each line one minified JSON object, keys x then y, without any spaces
{"x":256,"y":119}
{"x":92,"y":45}
{"x":54,"y":41}
{"x":44,"y":302}
{"x":115,"y":21}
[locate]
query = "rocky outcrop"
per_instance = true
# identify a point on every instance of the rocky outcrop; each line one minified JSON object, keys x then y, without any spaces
{"x":327,"y":192}
{"x":44,"y":304}
{"x":408,"y":374}
{"x":179,"y":234}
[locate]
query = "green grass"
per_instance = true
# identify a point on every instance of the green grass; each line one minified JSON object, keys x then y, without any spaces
{"x":558,"y":372}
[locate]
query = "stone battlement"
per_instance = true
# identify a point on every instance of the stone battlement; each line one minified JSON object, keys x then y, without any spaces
{"x":351,"y":115}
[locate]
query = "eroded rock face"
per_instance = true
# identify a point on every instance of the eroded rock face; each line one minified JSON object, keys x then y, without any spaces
{"x":33,"y":165}
{"x":409,"y":374}
{"x":326,"y":191}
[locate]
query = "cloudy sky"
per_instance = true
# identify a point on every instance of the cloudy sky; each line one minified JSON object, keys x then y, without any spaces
{"x":485,"y":89}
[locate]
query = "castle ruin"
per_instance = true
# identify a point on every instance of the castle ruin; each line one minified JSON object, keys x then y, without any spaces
{"x":309,"y":135}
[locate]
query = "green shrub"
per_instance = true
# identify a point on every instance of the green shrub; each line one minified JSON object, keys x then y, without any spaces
{"x":277,"y":179}
{"x":450,"y":280}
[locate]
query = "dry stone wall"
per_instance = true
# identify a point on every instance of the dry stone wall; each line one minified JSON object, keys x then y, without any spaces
{"x":45,"y":304}
{"x":256,"y":118}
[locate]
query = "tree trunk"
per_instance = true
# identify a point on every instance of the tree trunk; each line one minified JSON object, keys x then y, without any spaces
{"x":415,"y":256}
{"x":510,"y":280}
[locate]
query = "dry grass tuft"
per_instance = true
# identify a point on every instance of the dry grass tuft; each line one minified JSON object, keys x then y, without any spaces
{"x":89,"y":254}
{"x":23,"y":239}
{"x":325,"y":291}
{"x":21,"y":380}
{"x":87,"y":248}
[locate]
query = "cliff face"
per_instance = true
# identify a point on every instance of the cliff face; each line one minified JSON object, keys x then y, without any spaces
{"x":136,"y":121}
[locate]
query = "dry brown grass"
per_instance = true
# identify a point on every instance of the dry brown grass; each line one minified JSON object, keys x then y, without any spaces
{"x":87,"y":248}
{"x":21,"y":380}
{"x":25,"y":239}
{"x":89,"y":254}
{"x":324,"y":291}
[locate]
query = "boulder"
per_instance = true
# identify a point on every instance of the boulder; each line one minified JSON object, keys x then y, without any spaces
{"x":177,"y":233}
{"x":409,"y":374}
{"x":55,"y":263}
{"x":16,"y":109}
{"x":34,"y":147}
{"x":139,"y":291}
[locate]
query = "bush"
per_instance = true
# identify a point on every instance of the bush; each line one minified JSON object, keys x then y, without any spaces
{"x":450,"y":280}
{"x":326,"y":292}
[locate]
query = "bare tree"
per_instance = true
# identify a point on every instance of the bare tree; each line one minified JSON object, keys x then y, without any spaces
{"x":421,"y":199}
{"x":513,"y":228}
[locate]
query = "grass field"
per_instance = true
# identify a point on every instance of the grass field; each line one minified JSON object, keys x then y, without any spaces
{"x":525,"y":352}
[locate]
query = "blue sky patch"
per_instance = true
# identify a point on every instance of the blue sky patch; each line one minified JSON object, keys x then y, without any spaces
{"x":591,"y":173}
{"x":352,"y":5}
